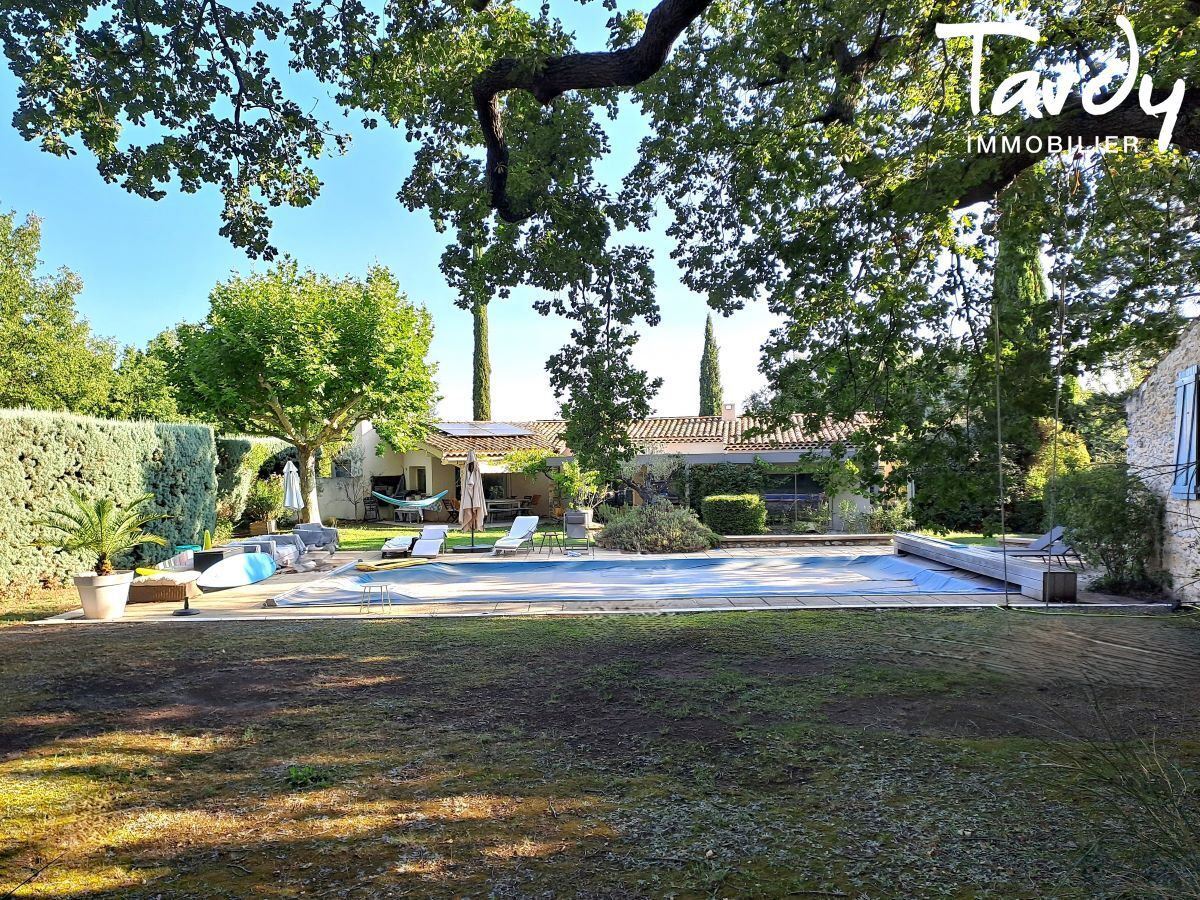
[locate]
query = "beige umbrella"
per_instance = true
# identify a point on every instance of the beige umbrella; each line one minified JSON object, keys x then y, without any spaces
{"x":473,"y":509}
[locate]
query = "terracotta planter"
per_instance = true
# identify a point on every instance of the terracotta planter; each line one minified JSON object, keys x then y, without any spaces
{"x":260,"y":528}
{"x":103,"y":596}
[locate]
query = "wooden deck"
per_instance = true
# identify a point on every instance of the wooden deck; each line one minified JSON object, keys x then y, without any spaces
{"x":1041,"y":581}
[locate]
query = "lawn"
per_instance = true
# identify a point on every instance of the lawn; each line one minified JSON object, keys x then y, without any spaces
{"x":715,"y":755}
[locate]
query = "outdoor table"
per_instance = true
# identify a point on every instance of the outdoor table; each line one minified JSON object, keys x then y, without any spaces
{"x":511,"y":507}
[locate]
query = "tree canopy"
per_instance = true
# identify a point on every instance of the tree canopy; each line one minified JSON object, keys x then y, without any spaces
{"x":304,"y":357}
{"x":49,"y":357}
{"x":813,"y":156}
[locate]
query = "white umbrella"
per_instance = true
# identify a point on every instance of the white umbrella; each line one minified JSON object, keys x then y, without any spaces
{"x":473,"y":509}
{"x":292,"y":498}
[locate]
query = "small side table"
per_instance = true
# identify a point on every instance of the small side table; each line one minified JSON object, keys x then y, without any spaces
{"x":549,"y":540}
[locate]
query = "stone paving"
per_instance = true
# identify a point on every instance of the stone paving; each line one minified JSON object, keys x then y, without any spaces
{"x":250,"y":603}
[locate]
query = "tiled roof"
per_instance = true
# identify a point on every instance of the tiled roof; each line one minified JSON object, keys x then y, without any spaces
{"x":794,"y":437}
{"x":454,"y":447}
{"x":721,"y":435}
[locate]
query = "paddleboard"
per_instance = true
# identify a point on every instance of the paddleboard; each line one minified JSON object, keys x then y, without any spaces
{"x":388,"y":566}
{"x":237,"y":571}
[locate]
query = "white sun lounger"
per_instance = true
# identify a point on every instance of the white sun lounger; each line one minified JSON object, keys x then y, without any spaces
{"x":398,"y":546}
{"x":520,"y":533}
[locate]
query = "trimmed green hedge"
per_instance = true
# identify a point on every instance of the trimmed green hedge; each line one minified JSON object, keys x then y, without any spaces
{"x":42,"y":454}
{"x":735,"y":513}
{"x":239,"y":458}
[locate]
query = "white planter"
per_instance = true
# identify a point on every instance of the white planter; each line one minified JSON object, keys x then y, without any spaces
{"x":103,"y":596}
{"x":587,"y":514}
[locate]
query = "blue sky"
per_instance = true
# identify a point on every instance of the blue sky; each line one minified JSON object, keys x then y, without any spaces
{"x":148,"y":265}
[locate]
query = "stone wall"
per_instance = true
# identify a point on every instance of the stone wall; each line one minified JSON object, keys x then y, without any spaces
{"x":1151,"y":453}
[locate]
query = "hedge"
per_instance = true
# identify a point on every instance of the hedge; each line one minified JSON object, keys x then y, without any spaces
{"x":239,"y":458}
{"x":735,"y":513}
{"x":42,"y":454}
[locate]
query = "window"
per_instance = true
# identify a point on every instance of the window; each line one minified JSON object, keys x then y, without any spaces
{"x":1184,"y":487}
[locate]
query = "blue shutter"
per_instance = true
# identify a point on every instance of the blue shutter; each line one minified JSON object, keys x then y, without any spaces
{"x":1184,"y":486}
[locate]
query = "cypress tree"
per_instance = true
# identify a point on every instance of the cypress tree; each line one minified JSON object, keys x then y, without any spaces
{"x":1021,"y":300}
{"x":481,"y":382}
{"x":711,"y":395}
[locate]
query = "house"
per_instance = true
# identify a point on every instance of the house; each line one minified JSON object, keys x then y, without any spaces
{"x":1161,"y":449}
{"x":436,"y":463}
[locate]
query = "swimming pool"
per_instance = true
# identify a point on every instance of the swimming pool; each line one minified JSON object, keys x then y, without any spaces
{"x":655,"y":578}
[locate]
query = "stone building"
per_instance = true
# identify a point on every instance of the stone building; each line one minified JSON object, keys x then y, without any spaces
{"x":1163,"y":428}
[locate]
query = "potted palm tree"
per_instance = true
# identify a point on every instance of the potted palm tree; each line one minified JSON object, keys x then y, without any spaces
{"x":105,"y":530}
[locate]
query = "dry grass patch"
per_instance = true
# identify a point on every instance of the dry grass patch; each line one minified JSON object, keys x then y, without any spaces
{"x":725,"y":755}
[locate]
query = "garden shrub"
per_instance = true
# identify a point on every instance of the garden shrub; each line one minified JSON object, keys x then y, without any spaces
{"x":239,"y":459}
{"x":735,"y":513}
{"x":43,"y":454}
{"x":710,"y":479}
{"x":656,"y":528}
{"x":1113,"y":521}
{"x":265,"y":500}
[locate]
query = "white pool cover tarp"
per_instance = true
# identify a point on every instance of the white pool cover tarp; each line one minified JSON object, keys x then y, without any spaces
{"x":654,"y":578}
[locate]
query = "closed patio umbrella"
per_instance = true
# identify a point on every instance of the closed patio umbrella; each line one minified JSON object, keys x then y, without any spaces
{"x":292,"y":498}
{"x":473,"y":509}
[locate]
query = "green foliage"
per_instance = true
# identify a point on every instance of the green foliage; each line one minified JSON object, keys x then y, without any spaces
{"x":708,"y":479}
{"x":306,"y":776}
{"x":1069,"y":452}
{"x":810,"y":156}
{"x":141,"y":388}
{"x":883,"y":517}
{"x":48,"y":356}
{"x":1101,"y":422}
{"x":1021,"y":301}
{"x":579,"y":488}
{"x":481,"y":364}
{"x":735,"y":513}
{"x":239,"y":461}
{"x":304,"y":358}
{"x":530,"y":462}
{"x":1113,"y":521}
{"x":101,"y":528}
{"x":656,"y":528}
{"x":44,"y":456}
{"x":265,"y":499}
{"x":651,"y":474}
{"x":711,"y":395}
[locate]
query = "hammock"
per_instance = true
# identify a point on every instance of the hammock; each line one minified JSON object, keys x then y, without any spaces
{"x":410,"y":504}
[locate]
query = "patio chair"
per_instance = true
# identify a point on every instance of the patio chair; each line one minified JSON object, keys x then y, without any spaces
{"x":317,"y":537}
{"x":575,"y":528}
{"x":520,"y":534}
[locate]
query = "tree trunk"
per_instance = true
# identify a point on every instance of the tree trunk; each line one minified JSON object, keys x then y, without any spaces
{"x":307,"y":463}
{"x":481,"y":386}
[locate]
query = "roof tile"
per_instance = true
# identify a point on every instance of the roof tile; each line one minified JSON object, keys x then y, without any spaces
{"x":732,"y":436}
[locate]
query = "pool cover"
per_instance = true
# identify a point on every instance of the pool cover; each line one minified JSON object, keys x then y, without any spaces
{"x":654,"y":578}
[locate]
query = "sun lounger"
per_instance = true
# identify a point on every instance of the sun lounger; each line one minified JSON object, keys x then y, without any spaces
{"x":428,"y":548}
{"x":396,"y":547}
{"x":520,"y":533}
{"x":1049,"y":545}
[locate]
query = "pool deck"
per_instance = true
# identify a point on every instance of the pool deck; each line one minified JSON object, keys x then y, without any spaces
{"x":249,"y":603}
